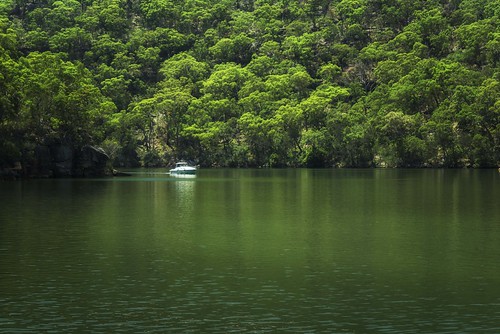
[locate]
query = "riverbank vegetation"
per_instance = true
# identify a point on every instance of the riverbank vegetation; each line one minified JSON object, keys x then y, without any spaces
{"x":317,"y":83}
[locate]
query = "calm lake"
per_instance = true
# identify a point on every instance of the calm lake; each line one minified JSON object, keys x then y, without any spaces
{"x":253,"y":251}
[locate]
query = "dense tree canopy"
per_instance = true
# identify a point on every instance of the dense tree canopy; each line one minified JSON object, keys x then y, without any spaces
{"x":252,"y":83}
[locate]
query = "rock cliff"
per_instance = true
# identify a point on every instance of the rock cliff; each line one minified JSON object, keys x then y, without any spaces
{"x":60,"y":160}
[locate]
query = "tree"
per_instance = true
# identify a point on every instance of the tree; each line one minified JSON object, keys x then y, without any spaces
{"x":73,"y":41}
{"x":11,"y":129}
{"x":182,"y":67}
{"x":428,"y":85}
{"x":237,"y":49}
{"x":399,"y":134}
{"x":258,"y":137}
{"x":105,"y":17}
{"x":255,"y":82}
{"x":315,"y":107}
{"x":158,"y":13}
{"x":486,"y":145}
{"x":225,"y":81}
{"x":60,"y":101}
{"x":104,"y":50}
{"x":473,"y":39}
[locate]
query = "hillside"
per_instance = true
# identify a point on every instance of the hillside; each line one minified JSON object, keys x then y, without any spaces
{"x":315,"y":83}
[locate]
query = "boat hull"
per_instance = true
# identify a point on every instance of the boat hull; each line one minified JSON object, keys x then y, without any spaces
{"x":183,"y":171}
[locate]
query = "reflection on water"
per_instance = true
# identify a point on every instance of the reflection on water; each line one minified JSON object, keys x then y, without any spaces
{"x":297,"y":251}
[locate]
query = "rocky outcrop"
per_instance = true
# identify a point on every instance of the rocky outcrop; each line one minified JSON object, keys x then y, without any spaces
{"x":12,"y":171}
{"x":8,"y":174}
{"x":60,"y":160}
{"x":42,"y":165}
{"x":92,"y":161}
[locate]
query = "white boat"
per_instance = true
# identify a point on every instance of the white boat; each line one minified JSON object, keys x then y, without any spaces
{"x":182,"y":167}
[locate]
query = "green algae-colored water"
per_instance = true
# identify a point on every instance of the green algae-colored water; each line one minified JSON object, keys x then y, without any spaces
{"x":253,"y":251}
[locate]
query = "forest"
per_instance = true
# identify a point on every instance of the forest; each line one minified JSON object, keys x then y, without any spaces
{"x":254,"y":83}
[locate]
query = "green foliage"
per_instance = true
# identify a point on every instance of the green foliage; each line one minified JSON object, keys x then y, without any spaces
{"x":58,"y":100}
{"x":314,"y":83}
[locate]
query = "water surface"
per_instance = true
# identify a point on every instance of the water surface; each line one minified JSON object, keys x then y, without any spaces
{"x":259,"y":251}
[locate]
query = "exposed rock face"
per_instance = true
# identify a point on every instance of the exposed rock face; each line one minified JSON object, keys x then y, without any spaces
{"x":92,"y":161}
{"x":43,"y":162}
{"x":62,"y":160}
{"x":7,"y":174}
{"x":59,"y":160}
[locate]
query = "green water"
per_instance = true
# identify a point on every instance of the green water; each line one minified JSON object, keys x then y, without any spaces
{"x":253,"y":251}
